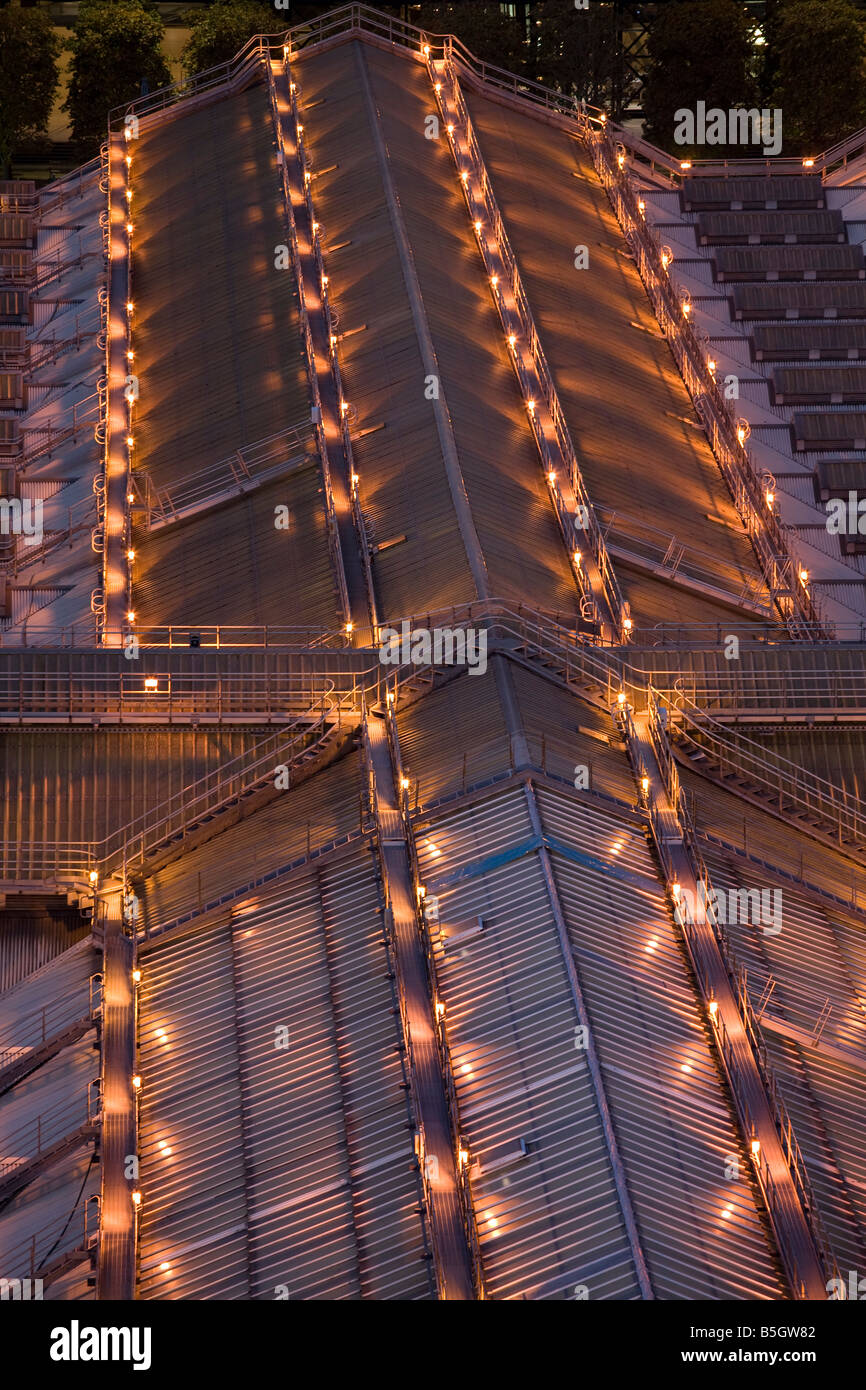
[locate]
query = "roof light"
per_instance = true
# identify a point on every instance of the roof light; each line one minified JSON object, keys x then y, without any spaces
{"x":130,"y":555}
{"x":129,"y":228}
{"x":129,"y":195}
{"x":450,"y":129}
{"x":512,"y":339}
{"x":477,"y":226}
{"x":404,"y":784}
{"x":422,"y":892}
{"x":577,"y":557}
{"x":136,"y":975}
{"x":675,"y":890}
{"x":464,"y":176}
{"x":136,"y":1199}
{"x":130,"y":354}
{"x":641,"y":205}
{"x":667,"y":256}
{"x":756,"y":1147}
{"x":627,"y":624}
{"x":437,"y":86}
{"x":769,"y":497}
{"x":151,"y":683}
{"x":494,"y":280}
{"x":808,"y":163}
{"x":426,"y":50}
{"x":714,"y":1008}
{"x":129,"y":306}
{"x":130,"y":615}
{"x":130,"y":440}
{"x":685,"y":164}
{"x":136,"y":1083}
{"x":551,"y":477}
{"x":804,"y":576}
{"x":644,"y":785}
{"x":711,"y":366}
{"x":350,"y":627}
{"x":530,"y":406}
{"x":93,"y":875}
{"x":744,"y":429}
{"x":130,"y":497}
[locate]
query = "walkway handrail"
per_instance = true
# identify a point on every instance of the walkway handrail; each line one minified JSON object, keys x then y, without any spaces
{"x":777,"y":775}
{"x":706,"y":912}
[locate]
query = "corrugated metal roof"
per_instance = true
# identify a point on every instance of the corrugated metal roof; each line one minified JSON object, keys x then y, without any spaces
{"x":286,"y":1168}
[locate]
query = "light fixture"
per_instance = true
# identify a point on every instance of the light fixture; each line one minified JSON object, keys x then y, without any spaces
{"x":808,"y":163}
{"x":756,"y":1147}
{"x":577,"y":557}
{"x":675,"y":890}
{"x":530,"y":406}
{"x":426,"y":50}
{"x":355,"y":480}
{"x":151,"y":683}
{"x":130,"y":615}
{"x":714,"y":1008}
{"x":641,"y":205}
{"x":494,"y":280}
{"x":551,"y":477}
{"x":129,"y":228}
{"x":685,"y":164}
{"x":130,"y":354}
{"x":437,"y":86}
{"x":130,"y":555}
{"x":130,"y":440}
{"x":804,"y":576}
{"x":620,"y":699}
{"x":129,"y":306}
{"x":512,"y":339}
{"x":462,"y":1156}
{"x":711,"y":365}
{"x":136,"y":1199}
{"x":350,"y":627}
{"x":404,"y":784}
{"x":644,"y":785}
{"x":440,"y":1009}
{"x":130,"y":497}
{"x":93,"y":875}
{"x":464,"y":176}
{"x":136,"y":975}
{"x":667,"y":256}
{"x":769,"y":497}
{"x":316,"y":226}
{"x":744,"y":429}
{"x":477,"y":226}
{"x":627,"y":624}
{"x":422,"y":892}
{"x":136,"y":1083}
{"x":129,"y":195}
{"x":450,"y":129}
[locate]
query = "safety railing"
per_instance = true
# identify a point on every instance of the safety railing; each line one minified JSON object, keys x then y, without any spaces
{"x":304,"y":318}
{"x":495,"y":243}
{"x":80,"y":517}
{"x":41,"y":1133}
{"x":783,"y":785}
{"x":44,"y":439}
{"x":32,"y":1032}
{"x":706,"y":914}
{"x":240,"y":471}
{"x":726,"y":436}
{"x":66,"y":693}
{"x":87,"y":633}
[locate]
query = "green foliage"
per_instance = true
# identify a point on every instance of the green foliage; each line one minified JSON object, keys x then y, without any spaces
{"x":115,"y":47}
{"x":220,"y":31}
{"x":29,"y":50}
{"x":486,"y":31}
{"x":819,"y":69}
{"x":575,"y":50}
{"x":699,"y":50}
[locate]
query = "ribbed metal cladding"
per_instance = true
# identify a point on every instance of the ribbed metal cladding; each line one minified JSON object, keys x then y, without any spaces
{"x":292,"y":1168}
{"x":809,"y":975}
{"x":806,"y":191}
{"x":545,"y":1199}
{"x":28,"y":941}
{"x":45,"y":1220}
{"x":702,"y":1234}
{"x":719,"y":227}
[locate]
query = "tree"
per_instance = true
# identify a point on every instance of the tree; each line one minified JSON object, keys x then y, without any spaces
{"x":576,"y":50}
{"x":29,"y":50}
{"x":222,"y":30}
{"x":698,"y":50}
{"x":820,"y":87}
{"x":488,"y":33}
{"x":115,"y":52}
